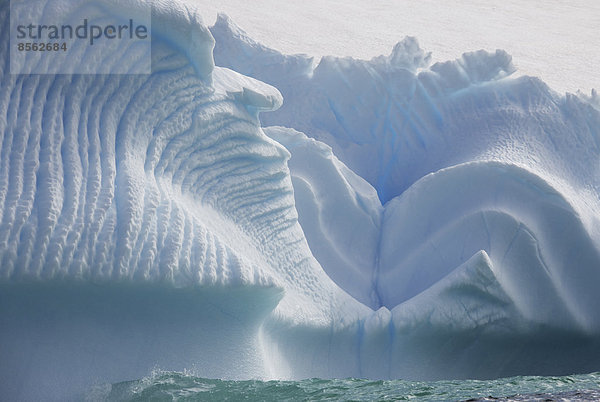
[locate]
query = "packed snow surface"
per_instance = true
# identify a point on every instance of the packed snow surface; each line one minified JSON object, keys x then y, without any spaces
{"x":389,"y":218}
{"x":556,"y":41}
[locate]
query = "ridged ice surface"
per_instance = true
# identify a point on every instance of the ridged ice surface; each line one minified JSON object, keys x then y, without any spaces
{"x":426,"y":222}
{"x":161,"y":178}
{"x":161,"y":181}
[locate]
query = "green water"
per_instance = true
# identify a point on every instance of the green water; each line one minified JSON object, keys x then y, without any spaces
{"x":169,"y":386}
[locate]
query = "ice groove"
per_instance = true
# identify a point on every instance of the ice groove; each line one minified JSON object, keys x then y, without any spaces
{"x":100,"y":173}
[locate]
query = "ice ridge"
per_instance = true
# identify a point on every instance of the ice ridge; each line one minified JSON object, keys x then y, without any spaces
{"x":393,"y":121}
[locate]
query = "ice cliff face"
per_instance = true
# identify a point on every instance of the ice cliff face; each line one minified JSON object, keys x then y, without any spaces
{"x":149,"y":220}
{"x":489,"y":220}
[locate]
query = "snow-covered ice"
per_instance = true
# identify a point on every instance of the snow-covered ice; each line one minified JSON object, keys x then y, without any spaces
{"x":261,"y":215}
{"x":555,"y":42}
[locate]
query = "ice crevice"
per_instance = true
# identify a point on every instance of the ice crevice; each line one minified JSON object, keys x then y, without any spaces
{"x":389,"y":219}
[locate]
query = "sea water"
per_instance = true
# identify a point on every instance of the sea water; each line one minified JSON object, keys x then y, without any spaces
{"x":172,"y":386}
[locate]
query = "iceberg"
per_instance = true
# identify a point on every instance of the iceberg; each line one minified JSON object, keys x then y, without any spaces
{"x":259,"y":215}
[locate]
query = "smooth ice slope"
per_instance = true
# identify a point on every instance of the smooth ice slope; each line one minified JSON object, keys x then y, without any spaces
{"x":339,"y":212}
{"x":149,"y":221}
{"x":541,"y":253}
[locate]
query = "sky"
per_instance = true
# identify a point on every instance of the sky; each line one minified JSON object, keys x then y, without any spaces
{"x":557,"y":41}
